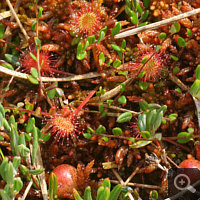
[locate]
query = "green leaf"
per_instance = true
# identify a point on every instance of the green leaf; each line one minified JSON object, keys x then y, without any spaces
{"x":124,"y":117}
{"x":189,"y":32}
{"x":81,"y":56}
{"x":33,"y":26}
{"x":106,"y":183}
{"x":116,"y":29}
{"x":116,"y":63}
{"x":86,"y":45}
{"x":40,"y":12}
{"x":146,"y":3}
{"x":46,"y":137}
{"x":140,"y":144}
{"x":142,"y":122}
{"x":14,"y":60}
{"x":51,"y":93}
{"x":145,"y":15}
{"x":117,"y":131}
{"x":3,"y":168}
{"x":18,"y":185}
{"x":134,"y":18}
{"x":4,"y":195}
{"x":79,"y":47}
{"x":181,"y":42}
{"x":157,"y":48}
{"x":36,"y":171}
{"x":37,"y":43}
{"x":123,"y":44}
{"x":6,"y":125}
{"x":145,"y":134}
{"x":100,"y":192}
{"x":174,"y":58}
{"x":10,"y":174}
{"x":128,"y":11}
{"x":90,"y":130}
{"x":143,"y":24}
{"x":106,"y":139}
{"x":53,"y":183}
{"x":35,"y":144}
{"x":16,"y":162}
{"x":34,"y":72}
{"x":101,"y":58}
{"x":158,"y":136}
{"x":30,"y":125}
{"x":154,"y":195}
{"x":132,"y":139}
{"x":14,"y":139}
{"x":122,"y":99}
{"x":162,"y":36}
{"x":116,"y":47}
{"x":2,"y":111}
{"x":185,"y":140}
{"x":59,"y":92}
{"x":102,"y":34}
{"x":143,"y":85}
{"x":76,"y":195}
{"x":2,"y":29}
{"x":100,"y":130}
{"x":128,"y":3}
{"x":143,"y":105}
{"x":175,"y":28}
{"x":87,"y":193}
{"x":134,"y":3}
{"x":75,"y":41}
{"x":8,"y":66}
{"x":32,"y":80}
{"x":172,"y":117}
{"x":91,"y":39}
{"x":195,"y":89}
{"x":87,"y":135}
{"x":197,"y":74}
{"x":23,"y":151}
{"x":115,"y":192}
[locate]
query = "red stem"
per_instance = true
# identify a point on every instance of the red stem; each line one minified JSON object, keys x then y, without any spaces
{"x":84,"y":102}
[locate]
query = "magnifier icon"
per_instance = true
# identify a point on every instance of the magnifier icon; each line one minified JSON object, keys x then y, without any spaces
{"x":182,"y":182}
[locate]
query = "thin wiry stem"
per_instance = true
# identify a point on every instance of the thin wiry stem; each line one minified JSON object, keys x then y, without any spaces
{"x":17,"y":19}
{"x":157,"y":24}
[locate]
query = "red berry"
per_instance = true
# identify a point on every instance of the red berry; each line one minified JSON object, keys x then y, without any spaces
{"x":67,"y":180}
{"x":193,"y":174}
